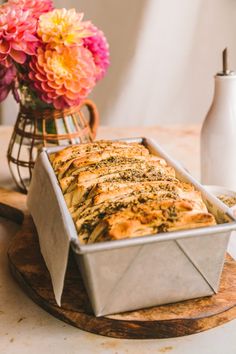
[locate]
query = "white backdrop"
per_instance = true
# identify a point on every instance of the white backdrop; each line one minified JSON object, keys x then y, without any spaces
{"x":164,"y":54}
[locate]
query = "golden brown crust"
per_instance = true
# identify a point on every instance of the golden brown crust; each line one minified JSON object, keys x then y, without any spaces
{"x":62,"y":159}
{"x":127,"y":174}
{"x":150,"y":218}
{"x":111,"y":159}
{"x":116,"y":190}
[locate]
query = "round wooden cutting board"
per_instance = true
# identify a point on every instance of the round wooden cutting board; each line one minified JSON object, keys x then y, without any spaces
{"x":188,"y":317}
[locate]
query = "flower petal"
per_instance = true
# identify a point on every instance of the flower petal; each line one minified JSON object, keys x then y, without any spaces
{"x":4,"y":47}
{"x":18,"y":56}
{"x":4,"y":93}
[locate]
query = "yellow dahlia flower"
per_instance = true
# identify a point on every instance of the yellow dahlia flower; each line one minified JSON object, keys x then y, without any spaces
{"x":62,"y":26}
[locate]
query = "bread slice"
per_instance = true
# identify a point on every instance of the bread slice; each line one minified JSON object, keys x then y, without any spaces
{"x":62,"y":160}
{"x":128,"y":173}
{"x":87,"y":220}
{"x":150,"y":218}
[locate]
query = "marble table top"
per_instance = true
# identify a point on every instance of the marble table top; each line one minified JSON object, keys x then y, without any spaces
{"x":26,"y":328}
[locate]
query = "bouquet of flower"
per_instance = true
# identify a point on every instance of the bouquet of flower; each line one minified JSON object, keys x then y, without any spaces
{"x":49,"y":55}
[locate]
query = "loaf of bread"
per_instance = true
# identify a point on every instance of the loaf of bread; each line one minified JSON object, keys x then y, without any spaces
{"x":117,"y":190}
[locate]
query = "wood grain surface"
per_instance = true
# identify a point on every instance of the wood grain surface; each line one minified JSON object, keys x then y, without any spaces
{"x":12,"y":205}
{"x":188,"y":317}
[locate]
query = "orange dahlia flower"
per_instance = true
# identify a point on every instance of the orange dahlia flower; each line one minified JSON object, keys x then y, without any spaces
{"x":62,"y":76}
{"x":62,"y":26}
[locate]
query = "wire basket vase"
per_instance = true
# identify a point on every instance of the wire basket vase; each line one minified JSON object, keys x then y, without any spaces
{"x":35,"y":129}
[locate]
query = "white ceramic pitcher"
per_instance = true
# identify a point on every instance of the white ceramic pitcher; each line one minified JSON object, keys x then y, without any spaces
{"x":218,"y":135}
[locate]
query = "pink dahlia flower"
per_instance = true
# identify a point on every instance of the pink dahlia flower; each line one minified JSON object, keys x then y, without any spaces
{"x":7,"y":81}
{"x":62,"y":76}
{"x":35,"y":7}
{"x":17,"y":35}
{"x":98,"y":46}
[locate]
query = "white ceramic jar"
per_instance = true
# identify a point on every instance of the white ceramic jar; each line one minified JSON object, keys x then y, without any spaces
{"x":218,"y":135}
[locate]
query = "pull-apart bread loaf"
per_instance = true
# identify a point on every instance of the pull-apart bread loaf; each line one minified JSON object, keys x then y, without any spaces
{"x":117,"y":190}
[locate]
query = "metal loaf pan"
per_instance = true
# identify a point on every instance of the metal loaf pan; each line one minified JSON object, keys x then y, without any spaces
{"x":141,"y":272}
